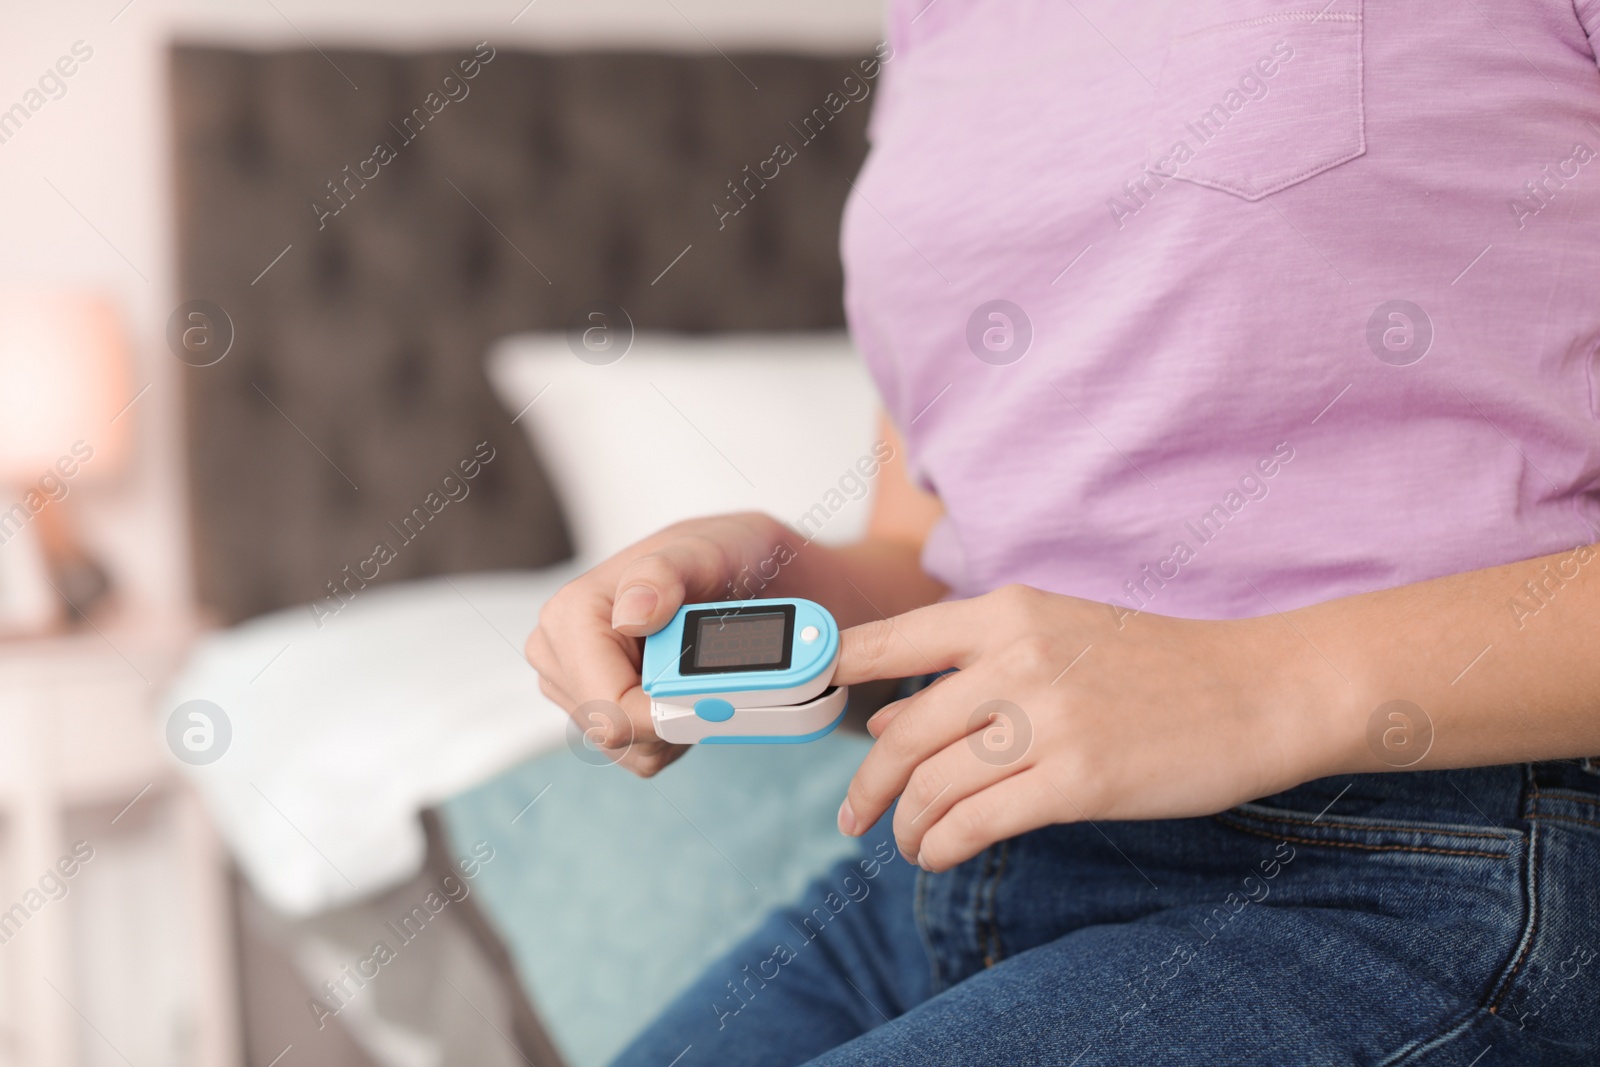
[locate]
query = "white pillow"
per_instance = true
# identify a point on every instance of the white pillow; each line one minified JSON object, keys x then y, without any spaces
{"x":686,"y":425}
{"x":342,"y":731}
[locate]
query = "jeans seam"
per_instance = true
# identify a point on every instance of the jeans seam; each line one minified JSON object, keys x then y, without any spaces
{"x":1356,"y":844}
{"x":980,"y":912}
{"x":1456,"y":1031}
{"x":1531,"y":902}
{"x":1563,"y":794}
{"x":1376,"y":824}
{"x":1566,"y":818}
{"x":992,"y":953}
{"x":919,"y":911}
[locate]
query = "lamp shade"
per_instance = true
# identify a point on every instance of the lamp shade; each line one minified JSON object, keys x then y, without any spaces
{"x":64,"y":378}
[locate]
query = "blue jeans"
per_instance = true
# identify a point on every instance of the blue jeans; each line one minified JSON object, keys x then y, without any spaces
{"x":1419,"y":918}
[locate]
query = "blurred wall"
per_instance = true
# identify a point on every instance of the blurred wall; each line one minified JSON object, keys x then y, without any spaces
{"x":85,"y":180}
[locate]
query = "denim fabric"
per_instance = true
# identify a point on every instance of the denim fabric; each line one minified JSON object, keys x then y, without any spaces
{"x":1448,"y":918}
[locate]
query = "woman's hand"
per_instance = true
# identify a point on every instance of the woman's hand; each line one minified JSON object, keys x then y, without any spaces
{"x":586,"y":647}
{"x":1060,"y":714}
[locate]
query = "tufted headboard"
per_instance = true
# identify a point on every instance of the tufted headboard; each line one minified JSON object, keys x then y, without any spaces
{"x":369,"y":222}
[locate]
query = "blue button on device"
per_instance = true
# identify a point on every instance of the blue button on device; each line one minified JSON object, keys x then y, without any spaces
{"x":744,"y":671}
{"x":713,"y":709}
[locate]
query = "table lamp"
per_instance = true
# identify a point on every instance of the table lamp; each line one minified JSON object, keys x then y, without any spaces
{"x":65,"y":387}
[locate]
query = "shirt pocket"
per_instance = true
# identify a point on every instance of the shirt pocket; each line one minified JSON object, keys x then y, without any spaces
{"x":1257,"y":95}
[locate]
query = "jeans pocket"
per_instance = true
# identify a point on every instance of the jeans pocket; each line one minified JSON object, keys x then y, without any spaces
{"x":1375,"y":835}
{"x":1257,"y":95}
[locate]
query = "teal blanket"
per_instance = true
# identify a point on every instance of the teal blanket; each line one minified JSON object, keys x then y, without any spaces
{"x":612,"y":893}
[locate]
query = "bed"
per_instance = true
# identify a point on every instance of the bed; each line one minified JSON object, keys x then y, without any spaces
{"x":399,"y":319}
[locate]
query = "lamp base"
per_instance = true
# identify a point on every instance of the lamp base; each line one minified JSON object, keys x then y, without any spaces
{"x":76,"y":577}
{"x":28,"y":605}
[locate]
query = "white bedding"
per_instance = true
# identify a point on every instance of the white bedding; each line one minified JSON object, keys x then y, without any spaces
{"x":342,"y":734}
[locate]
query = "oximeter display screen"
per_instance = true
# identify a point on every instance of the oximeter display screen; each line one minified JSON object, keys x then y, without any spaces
{"x":717,"y":641}
{"x":749,"y":641}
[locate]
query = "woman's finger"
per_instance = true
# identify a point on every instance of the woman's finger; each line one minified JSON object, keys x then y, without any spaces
{"x":885,"y":715}
{"x":541,"y":656}
{"x":556,"y":695}
{"x":924,"y":641}
{"x":1012,"y":806}
{"x":942,"y":781}
{"x":683,"y":569}
{"x":588,"y":661}
{"x":609,"y":674}
{"x":926,"y":723}
{"x":606,"y":734}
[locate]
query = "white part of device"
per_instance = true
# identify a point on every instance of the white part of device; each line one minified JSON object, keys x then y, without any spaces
{"x":783,"y":724}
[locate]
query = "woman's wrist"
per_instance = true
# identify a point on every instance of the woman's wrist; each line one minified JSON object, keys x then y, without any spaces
{"x":1306,"y":706}
{"x":1465,"y":670}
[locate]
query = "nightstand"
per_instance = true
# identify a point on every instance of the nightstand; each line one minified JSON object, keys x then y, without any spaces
{"x":115,"y":927}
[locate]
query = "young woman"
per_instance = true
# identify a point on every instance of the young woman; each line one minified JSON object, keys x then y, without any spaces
{"x":1240,"y":358}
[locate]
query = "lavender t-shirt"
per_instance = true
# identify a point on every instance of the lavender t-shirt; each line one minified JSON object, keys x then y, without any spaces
{"x":1218,"y":308}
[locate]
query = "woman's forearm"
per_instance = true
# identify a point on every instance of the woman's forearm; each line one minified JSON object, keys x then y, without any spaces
{"x":1499,"y":665}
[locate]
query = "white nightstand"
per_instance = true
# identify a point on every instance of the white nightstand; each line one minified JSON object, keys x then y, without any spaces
{"x":133,"y":962}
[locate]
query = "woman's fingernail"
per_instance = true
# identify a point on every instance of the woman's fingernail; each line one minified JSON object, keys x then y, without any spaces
{"x":847,"y":819}
{"x":881,"y":719}
{"x":921,"y":864}
{"x":634,"y":606}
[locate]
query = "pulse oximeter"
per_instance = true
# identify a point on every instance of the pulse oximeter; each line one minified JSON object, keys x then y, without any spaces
{"x":744,"y":672}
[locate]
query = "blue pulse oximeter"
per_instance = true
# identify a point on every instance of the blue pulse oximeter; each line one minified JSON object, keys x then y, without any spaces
{"x":744,"y":672}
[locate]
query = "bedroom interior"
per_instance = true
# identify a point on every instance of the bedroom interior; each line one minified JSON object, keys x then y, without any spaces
{"x":425,"y":311}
